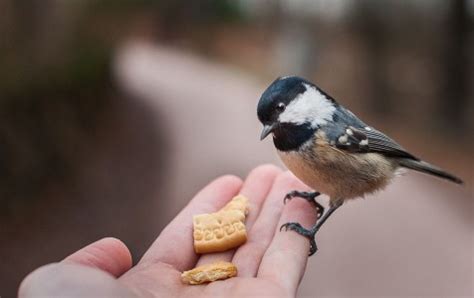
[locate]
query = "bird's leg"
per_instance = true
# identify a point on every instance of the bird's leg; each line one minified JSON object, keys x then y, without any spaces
{"x":311,"y":233}
{"x":308,"y":196}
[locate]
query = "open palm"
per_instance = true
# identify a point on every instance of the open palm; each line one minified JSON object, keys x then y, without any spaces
{"x":271,"y":263}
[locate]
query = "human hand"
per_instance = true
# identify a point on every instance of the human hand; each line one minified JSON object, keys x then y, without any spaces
{"x":270,"y":263}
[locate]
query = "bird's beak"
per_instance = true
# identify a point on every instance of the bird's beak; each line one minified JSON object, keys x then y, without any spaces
{"x":267,"y":129}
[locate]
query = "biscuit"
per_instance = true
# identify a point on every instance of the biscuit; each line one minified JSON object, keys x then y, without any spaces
{"x":209,"y":273}
{"x":219,"y":231}
{"x":222,"y":230}
{"x":238,"y":203}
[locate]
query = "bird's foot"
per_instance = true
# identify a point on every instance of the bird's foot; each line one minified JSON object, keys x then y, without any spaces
{"x":310,"y":234}
{"x":308,"y":196}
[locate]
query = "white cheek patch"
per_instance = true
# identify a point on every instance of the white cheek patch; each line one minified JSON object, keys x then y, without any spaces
{"x":309,"y":107}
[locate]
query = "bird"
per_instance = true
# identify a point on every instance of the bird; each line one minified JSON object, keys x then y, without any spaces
{"x":330,"y":149}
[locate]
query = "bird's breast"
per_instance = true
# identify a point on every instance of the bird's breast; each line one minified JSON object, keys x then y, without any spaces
{"x":339,"y":174}
{"x":306,"y":171}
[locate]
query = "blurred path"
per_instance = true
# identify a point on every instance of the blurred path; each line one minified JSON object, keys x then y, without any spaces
{"x":209,"y":111}
{"x":187,"y":121}
{"x":415,"y":239}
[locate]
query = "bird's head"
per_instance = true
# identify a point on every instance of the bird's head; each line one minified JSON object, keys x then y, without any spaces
{"x":292,"y":108}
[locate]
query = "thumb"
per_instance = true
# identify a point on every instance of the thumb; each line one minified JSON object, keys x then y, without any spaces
{"x":108,"y":254}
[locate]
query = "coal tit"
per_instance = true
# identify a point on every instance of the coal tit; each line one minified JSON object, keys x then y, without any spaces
{"x":328,"y":148}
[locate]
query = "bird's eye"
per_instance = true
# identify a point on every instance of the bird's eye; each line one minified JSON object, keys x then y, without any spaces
{"x":280,"y":107}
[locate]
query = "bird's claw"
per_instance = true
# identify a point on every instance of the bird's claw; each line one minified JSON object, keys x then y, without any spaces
{"x":308,"y":196}
{"x":287,"y":197}
{"x":298,"y":228}
{"x":288,"y":225}
{"x":313,"y":247}
{"x":294,"y":226}
{"x":320,"y":211}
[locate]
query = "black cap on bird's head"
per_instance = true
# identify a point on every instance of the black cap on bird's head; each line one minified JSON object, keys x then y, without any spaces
{"x":281,"y":91}
{"x":292,"y":108}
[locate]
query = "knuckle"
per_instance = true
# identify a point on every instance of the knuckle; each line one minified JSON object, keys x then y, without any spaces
{"x":265,"y":169}
{"x":290,"y":181}
{"x":230,"y":179}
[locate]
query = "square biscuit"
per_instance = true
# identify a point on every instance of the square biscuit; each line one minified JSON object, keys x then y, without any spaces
{"x":222,"y":230}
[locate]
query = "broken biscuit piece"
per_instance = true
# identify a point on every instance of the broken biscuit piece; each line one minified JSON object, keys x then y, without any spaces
{"x":209,"y":273}
{"x":221,"y":230}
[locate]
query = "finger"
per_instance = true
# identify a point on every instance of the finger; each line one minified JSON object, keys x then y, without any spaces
{"x":288,"y":249}
{"x":174,"y":246}
{"x":255,"y":188}
{"x":108,"y":254}
{"x":249,"y":256}
{"x":71,"y":280}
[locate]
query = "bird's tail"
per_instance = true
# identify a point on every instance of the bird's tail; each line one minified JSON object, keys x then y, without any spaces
{"x":421,"y":166}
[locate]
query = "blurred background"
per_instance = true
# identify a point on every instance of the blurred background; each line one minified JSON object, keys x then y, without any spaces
{"x":114,"y":113}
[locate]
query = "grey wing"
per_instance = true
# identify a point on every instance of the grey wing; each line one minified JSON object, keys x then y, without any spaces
{"x":368,"y":140}
{"x":355,"y":136}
